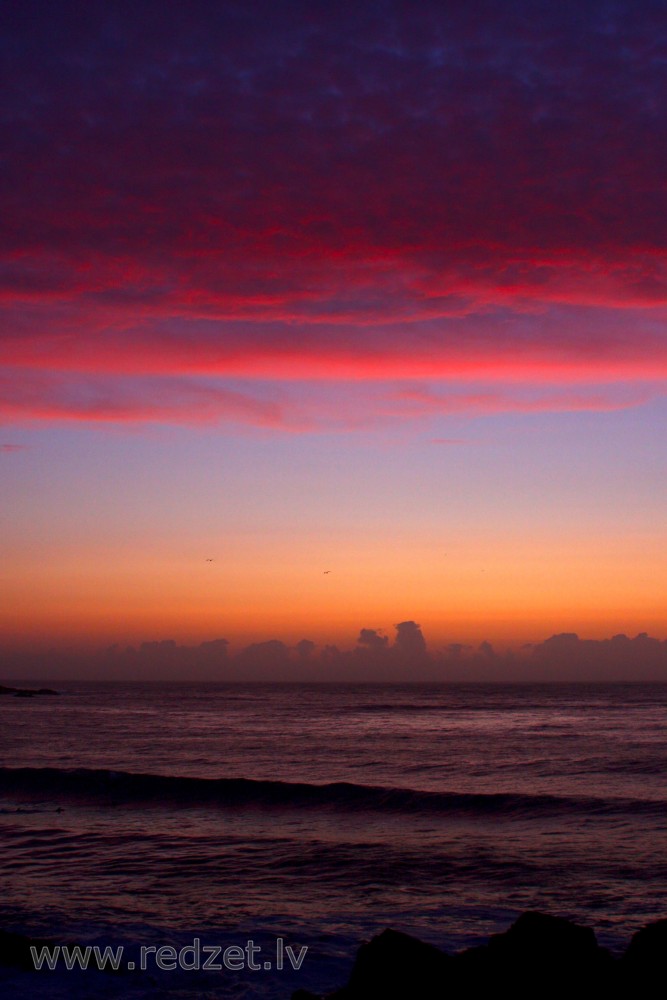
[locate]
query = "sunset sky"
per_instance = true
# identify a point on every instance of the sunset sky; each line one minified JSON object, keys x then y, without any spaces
{"x":378,"y":289}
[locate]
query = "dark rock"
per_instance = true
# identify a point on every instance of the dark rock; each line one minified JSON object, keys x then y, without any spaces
{"x":537,"y":949}
{"x":546,"y":939}
{"x":539,"y":955}
{"x":394,"y":964}
{"x":647,"y":952}
{"x":550,"y":937}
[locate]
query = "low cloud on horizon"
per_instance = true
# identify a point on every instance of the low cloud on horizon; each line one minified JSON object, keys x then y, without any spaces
{"x":564,"y":657}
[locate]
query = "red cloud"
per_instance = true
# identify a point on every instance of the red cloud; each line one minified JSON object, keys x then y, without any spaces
{"x":556,"y":345}
{"x":269,"y":199}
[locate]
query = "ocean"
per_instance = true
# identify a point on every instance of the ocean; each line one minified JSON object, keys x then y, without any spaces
{"x":313,"y":816}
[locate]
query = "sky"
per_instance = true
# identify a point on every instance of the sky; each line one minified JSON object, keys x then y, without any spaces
{"x":325,"y":316}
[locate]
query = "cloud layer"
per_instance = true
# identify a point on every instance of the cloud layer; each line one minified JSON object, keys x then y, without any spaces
{"x":315,"y":191}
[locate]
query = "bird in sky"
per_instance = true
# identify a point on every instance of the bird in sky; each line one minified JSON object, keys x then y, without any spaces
{"x":326,"y":571}
{"x":209,"y":560}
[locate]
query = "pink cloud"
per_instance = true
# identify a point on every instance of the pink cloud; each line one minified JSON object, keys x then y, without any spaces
{"x":296,"y":408}
{"x":448,"y":441}
{"x":48,"y":397}
{"x":421,"y":400}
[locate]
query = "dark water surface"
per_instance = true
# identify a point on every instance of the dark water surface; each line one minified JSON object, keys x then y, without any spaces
{"x":154,"y":814}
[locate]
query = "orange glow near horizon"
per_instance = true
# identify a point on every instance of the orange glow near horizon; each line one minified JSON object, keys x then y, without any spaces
{"x":508,"y":591}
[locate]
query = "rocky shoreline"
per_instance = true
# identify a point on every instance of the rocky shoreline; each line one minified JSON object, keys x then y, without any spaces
{"x":539,"y":955}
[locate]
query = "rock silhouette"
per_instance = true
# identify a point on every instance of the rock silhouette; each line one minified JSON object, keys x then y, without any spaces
{"x":538,"y":956}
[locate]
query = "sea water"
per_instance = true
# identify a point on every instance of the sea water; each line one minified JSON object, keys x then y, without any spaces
{"x":313,"y":816}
